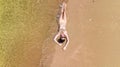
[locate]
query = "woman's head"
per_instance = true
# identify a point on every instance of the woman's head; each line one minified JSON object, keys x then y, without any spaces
{"x":62,"y":35}
{"x":62,"y":38}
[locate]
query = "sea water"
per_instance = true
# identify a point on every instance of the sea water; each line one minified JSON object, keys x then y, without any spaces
{"x":24,"y":26}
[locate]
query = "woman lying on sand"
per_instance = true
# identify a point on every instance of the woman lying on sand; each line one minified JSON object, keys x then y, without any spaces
{"x":62,"y":33}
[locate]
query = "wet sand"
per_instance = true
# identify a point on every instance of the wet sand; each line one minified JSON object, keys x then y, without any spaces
{"x":94,"y":31}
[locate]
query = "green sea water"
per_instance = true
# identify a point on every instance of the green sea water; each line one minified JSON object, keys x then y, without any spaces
{"x":24,"y":25}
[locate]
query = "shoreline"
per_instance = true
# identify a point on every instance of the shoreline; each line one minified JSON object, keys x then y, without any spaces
{"x":48,"y":48}
{"x":24,"y":27}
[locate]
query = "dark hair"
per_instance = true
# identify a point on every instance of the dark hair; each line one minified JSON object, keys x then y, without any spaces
{"x":61,"y":40}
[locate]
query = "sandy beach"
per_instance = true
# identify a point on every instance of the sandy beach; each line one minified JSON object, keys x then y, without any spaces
{"x":27,"y":28}
{"x":93,"y":28}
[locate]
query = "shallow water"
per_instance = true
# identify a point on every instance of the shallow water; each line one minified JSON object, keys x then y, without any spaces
{"x":24,"y":26}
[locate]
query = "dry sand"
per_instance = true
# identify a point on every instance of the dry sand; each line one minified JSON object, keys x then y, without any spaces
{"x":94,"y":28}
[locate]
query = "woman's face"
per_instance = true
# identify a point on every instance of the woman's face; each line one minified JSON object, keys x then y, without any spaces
{"x":62,"y":38}
{"x":62,"y":35}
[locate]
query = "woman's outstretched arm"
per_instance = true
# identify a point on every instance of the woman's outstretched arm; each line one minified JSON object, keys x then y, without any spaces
{"x":67,"y":41}
{"x":55,"y":39}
